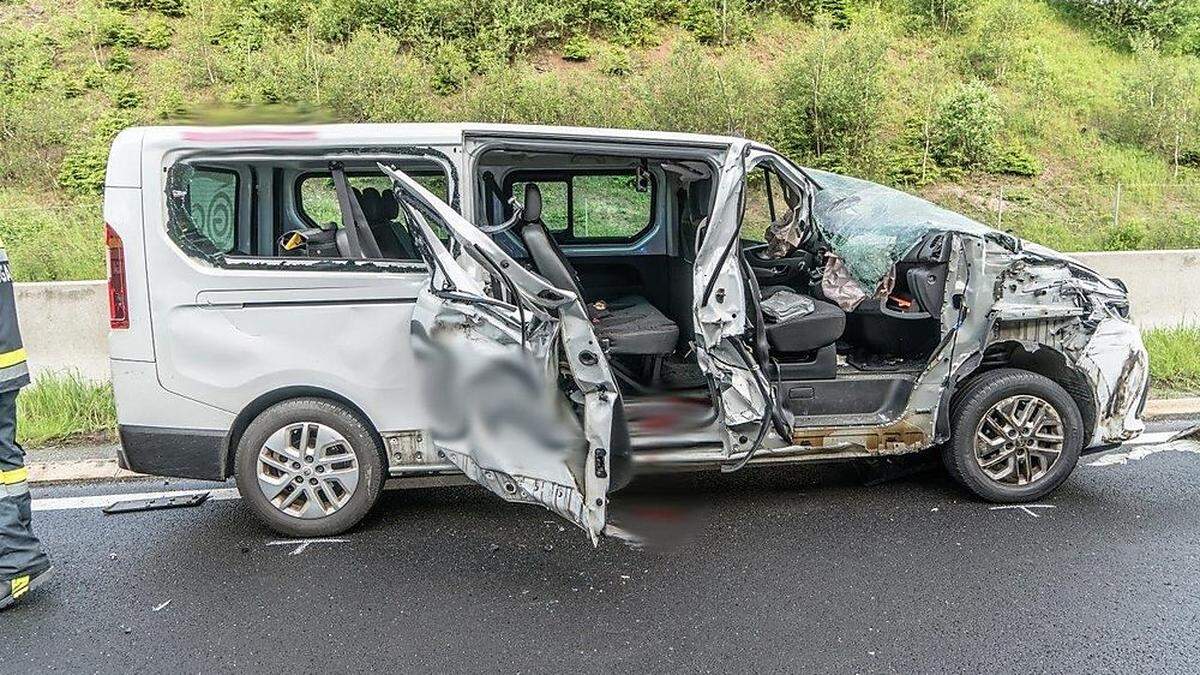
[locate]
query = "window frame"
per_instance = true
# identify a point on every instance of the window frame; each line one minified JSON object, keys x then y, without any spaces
{"x":568,"y":176}
{"x":237,"y":203}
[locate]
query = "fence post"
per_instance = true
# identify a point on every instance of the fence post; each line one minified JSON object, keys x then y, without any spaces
{"x":1000,"y":211}
{"x":1117,"y":206}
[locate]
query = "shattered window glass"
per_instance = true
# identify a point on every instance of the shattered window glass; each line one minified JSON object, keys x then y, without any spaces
{"x":212,"y":205}
{"x":871,"y":227}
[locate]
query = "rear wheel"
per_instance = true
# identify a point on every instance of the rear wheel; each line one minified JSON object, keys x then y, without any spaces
{"x":309,"y":467}
{"x":1016,"y":436}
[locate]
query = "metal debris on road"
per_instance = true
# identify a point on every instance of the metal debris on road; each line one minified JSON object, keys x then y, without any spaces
{"x":155,"y":504}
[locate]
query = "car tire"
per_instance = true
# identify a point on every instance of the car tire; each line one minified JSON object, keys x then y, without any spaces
{"x":310,"y":467}
{"x":994,"y":453}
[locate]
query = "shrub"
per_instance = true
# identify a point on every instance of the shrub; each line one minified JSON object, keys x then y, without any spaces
{"x":367,"y":80}
{"x":718,"y":22}
{"x":82,"y":169}
{"x":156,"y":34}
{"x":614,"y":61}
{"x":578,"y":48}
{"x":830,"y":97}
{"x":1174,"y":24}
{"x":1126,"y":236}
{"x":119,"y":60}
{"x":125,"y":97}
{"x":966,"y":126}
{"x":696,"y":92}
{"x":1000,"y":43}
{"x":450,"y":68}
{"x":117,"y":29}
{"x":948,"y":15}
{"x":1014,"y":160}
{"x":26,"y":61}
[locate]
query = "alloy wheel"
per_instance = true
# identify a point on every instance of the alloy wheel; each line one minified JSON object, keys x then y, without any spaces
{"x":1019,"y":439}
{"x":307,"y":470}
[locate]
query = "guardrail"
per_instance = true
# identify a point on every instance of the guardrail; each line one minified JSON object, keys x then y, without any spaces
{"x":65,"y":323}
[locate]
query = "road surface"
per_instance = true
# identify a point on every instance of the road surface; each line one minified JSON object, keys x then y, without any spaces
{"x":770,"y":569}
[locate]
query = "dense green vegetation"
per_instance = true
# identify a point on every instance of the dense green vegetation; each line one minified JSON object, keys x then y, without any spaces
{"x":1025,"y":114}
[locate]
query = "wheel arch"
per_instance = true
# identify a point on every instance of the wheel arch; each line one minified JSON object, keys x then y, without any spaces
{"x":1036,"y":357}
{"x":258,"y":405}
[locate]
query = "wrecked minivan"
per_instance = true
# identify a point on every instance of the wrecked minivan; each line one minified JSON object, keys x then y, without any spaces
{"x":313,"y":310}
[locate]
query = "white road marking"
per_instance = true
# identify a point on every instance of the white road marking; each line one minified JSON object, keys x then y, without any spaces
{"x":1152,"y":438}
{"x":1027,"y":508}
{"x":303,"y":544}
{"x":162,"y":606}
{"x":219,"y":494}
{"x":101,"y":501}
{"x":1144,"y":451}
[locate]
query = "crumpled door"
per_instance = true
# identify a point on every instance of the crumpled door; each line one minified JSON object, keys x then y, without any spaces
{"x":491,"y":339}
{"x":745,"y":396}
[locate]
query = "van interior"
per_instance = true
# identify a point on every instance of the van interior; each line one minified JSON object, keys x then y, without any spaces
{"x":622,"y":232}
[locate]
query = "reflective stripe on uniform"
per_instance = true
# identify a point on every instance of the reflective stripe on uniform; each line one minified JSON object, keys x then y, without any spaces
{"x":15,"y":482}
{"x":19,"y":586}
{"x":13,"y":372}
{"x":12,"y":358}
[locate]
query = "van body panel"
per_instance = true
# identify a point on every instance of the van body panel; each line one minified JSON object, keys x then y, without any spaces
{"x":124,"y":167}
{"x":142,"y":401}
{"x":123,"y":213}
{"x":230,"y":335}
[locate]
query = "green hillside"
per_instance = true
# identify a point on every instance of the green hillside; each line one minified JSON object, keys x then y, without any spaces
{"x":1026,"y":114}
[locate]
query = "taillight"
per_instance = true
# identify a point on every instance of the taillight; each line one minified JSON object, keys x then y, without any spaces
{"x":118,"y":299}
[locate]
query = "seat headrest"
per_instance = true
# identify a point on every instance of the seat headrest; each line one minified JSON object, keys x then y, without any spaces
{"x":389,"y":208}
{"x":369,"y":201}
{"x":533,"y":203}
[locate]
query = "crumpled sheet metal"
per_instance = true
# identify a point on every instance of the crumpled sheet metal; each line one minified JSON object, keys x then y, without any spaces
{"x":552,"y":470}
{"x":1042,"y":287}
{"x":723,"y":318}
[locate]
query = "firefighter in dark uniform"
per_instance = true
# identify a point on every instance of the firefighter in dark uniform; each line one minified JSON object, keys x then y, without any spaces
{"x":23,"y":564}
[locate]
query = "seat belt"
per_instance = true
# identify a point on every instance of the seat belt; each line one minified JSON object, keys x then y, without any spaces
{"x":351,"y":214}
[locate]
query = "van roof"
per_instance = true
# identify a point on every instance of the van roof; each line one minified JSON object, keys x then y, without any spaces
{"x":373,"y":134}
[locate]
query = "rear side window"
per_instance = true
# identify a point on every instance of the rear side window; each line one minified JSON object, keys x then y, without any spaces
{"x":593,"y":207}
{"x":318,"y":198}
{"x":212,"y":204}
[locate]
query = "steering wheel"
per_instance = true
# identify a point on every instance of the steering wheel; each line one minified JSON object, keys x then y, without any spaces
{"x":775,"y":270}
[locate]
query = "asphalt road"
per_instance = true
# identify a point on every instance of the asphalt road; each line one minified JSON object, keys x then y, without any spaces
{"x":774,"y":569}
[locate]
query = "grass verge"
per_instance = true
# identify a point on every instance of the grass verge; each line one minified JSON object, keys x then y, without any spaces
{"x":1174,"y":359}
{"x":66,"y":408}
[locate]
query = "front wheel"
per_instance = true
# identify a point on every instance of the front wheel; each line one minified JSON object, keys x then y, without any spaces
{"x":1016,"y":436}
{"x":309,"y":467}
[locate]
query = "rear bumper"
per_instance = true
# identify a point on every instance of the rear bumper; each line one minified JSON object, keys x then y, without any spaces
{"x":178,"y":453}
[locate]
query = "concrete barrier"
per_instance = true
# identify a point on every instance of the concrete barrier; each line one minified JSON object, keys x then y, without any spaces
{"x":1164,"y":286}
{"x":65,"y":323}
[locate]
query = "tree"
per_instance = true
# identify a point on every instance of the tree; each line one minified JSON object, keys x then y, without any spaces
{"x":1159,"y":107}
{"x":831,"y":94}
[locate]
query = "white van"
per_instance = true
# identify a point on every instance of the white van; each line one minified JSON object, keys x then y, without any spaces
{"x":694,"y":301}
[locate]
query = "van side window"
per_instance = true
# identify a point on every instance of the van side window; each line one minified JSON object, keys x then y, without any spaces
{"x":592,"y":207}
{"x":280,"y":211}
{"x":212,"y":198}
